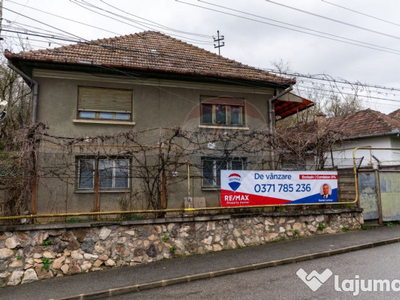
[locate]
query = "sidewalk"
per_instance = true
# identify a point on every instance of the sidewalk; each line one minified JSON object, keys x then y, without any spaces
{"x":197,"y":267}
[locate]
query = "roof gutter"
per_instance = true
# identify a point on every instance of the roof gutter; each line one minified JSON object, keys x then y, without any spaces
{"x":393,"y":132}
{"x":31,"y":83}
{"x":272,"y":119}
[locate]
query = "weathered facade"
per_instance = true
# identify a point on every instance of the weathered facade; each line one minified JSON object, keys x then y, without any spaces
{"x":142,"y":85}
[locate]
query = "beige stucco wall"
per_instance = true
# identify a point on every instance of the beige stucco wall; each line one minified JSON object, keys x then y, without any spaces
{"x":156,"y":103}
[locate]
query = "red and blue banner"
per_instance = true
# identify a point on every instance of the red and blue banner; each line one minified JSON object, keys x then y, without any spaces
{"x":247,"y":188}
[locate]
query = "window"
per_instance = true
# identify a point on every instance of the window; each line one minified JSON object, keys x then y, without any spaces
{"x":104,"y":104}
{"x":113,"y":173}
{"x":212,"y":169}
{"x":222,"y":111}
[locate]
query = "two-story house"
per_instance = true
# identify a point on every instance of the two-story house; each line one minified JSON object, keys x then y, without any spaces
{"x":117,"y":101}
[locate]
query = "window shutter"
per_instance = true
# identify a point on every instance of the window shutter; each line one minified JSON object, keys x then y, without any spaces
{"x":223,"y":101}
{"x":109,"y":100}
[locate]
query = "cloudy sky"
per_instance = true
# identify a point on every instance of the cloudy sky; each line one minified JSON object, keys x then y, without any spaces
{"x":350,"y":42}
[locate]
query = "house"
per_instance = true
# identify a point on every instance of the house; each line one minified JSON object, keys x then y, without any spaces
{"x":114,"y":109}
{"x":366,"y":128}
{"x":332,"y":144}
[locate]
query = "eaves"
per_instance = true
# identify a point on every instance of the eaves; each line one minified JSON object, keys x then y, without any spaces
{"x":395,"y":132}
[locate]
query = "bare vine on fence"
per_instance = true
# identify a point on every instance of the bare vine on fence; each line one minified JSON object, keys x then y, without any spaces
{"x":154,"y":156}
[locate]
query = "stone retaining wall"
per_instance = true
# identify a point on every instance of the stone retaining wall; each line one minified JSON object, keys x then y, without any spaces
{"x":32,"y":252}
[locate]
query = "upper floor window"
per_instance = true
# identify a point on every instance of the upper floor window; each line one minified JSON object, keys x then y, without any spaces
{"x":223,"y":111}
{"x":104,"y":104}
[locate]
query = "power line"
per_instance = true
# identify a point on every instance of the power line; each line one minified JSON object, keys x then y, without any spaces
{"x":64,"y":18}
{"x":40,"y":22}
{"x":87,"y":6}
{"x":131,"y":49}
{"x":360,"y":13}
{"x":28,"y":28}
{"x":297,"y":26}
{"x":313,"y":77}
{"x":312,"y":32}
{"x":40,"y":35}
{"x":333,"y":20}
{"x":115,"y":48}
{"x":351,"y":94}
{"x":324,"y":77}
{"x":359,"y":88}
{"x":36,"y":40}
{"x":158,"y":24}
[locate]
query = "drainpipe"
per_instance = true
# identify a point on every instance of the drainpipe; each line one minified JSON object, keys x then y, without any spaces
{"x":271,"y":119}
{"x":35,"y":89}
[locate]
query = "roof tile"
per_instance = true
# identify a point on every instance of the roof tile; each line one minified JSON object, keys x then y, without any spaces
{"x":364,"y":123}
{"x":151,"y":51}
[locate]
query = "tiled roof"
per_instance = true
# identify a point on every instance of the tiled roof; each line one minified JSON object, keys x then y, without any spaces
{"x":395,"y":114}
{"x":364,"y":123}
{"x":150,"y":51}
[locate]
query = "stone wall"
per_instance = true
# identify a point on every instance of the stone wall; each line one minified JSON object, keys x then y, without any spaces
{"x":32,"y":252}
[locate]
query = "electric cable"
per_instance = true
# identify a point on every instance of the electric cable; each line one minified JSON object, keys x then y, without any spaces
{"x":333,"y":20}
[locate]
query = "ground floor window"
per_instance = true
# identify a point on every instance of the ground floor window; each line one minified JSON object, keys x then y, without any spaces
{"x":211,"y":169}
{"x":112,"y":173}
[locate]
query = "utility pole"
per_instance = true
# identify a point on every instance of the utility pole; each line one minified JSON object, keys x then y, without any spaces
{"x":218,"y":40}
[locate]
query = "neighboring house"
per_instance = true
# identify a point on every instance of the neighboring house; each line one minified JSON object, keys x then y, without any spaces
{"x":367,"y":128}
{"x":329,"y":143}
{"x":135,"y":83}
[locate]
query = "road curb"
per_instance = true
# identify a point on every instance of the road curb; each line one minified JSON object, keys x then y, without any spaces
{"x":229,"y":271}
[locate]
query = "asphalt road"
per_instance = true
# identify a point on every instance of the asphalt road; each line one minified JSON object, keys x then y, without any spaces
{"x":381,"y":263}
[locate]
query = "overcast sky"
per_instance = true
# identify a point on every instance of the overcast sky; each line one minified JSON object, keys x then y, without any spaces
{"x":252,"y":29}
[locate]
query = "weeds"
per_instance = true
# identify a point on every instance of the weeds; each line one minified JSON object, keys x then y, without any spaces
{"x":46,"y":264}
{"x":165,"y":238}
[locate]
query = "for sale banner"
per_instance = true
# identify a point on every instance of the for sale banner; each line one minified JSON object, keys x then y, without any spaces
{"x":244,"y":188}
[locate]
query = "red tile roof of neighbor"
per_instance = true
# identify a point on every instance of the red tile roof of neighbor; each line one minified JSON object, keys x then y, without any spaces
{"x":395,"y":114}
{"x":150,"y":51}
{"x":364,"y":123}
